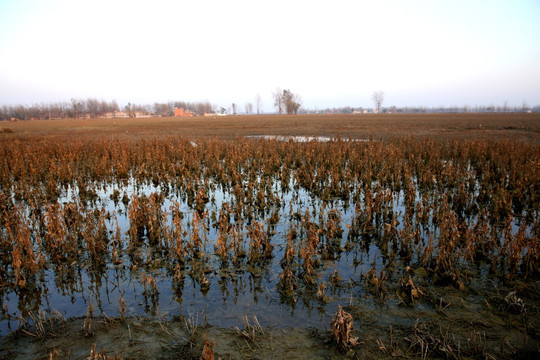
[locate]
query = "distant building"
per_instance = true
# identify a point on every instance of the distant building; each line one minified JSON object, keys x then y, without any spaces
{"x":116,"y":114}
{"x":142,"y":114}
{"x":182,"y":112}
{"x":126,"y":114}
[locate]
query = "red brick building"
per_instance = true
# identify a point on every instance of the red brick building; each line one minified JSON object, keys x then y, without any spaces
{"x":182,"y":112}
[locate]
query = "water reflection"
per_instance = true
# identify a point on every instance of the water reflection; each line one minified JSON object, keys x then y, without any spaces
{"x":131,"y":248}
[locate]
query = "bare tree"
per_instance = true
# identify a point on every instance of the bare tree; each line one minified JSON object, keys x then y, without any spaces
{"x":161,"y":109}
{"x":378,"y":98}
{"x":233,"y":108}
{"x":128,"y":109}
{"x":92,"y":107}
{"x":249,"y":108}
{"x":258,"y":101}
{"x":291,"y":102}
{"x":278,"y":100}
{"x":285,"y":100}
{"x":78,"y":108}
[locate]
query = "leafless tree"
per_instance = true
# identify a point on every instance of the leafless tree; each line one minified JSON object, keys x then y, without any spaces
{"x":249,"y":108}
{"x":291,"y":102}
{"x":93,"y":107}
{"x":163,"y":109}
{"x":78,"y":108}
{"x":378,"y":98}
{"x":278,"y":100}
{"x":258,"y":101}
{"x":285,"y":100}
{"x":233,"y":108}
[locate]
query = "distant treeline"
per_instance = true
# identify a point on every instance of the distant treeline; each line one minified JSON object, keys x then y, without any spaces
{"x":93,"y":108}
{"x":424,"y":109}
{"x":197,"y":107}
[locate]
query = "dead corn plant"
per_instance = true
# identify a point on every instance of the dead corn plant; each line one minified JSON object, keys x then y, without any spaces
{"x":177,"y":234}
{"x":308,"y":254}
{"x":122,"y":307}
{"x":87,"y":325}
{"x":341,"y":328}
{"x":195,"y":245}
{"x":53,"y":354}
{"x":150,"y":285}
{"x":408,"y":292}
{"x":321,"y":293}
{"x":24,"y":261}
{"x":287,"y":278}
{"x":335,"y":279}
{"x":376,"y":283}
{"x":208,"y":349}
{"x":260,"y":248}
{"x":222,"y":246}
{"x":55,"y":239}
{"x":201,"y":200}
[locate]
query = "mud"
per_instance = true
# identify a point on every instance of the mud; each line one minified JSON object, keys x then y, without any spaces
{"x":455,"y":324}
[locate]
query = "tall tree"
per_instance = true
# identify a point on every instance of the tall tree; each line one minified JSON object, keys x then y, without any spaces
{"x":258,"y":101}
{"x":92,"y":107}
{"x":378,"y":98}
{"x":278,"y":100}
{"x":162,"y":109}
{"x":291,"y":102}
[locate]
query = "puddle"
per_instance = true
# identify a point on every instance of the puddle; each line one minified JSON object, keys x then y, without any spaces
{"x":302,"y":139}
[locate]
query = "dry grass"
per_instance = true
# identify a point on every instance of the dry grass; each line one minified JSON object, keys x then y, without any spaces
{"x":515,"y":126}
{"x":96,"y":355}
{"x":250,"y":331}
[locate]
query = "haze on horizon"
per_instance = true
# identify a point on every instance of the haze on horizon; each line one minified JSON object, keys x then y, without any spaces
{"x":332,"y":54}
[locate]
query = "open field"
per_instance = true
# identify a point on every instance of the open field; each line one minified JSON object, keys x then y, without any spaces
{"x":513,"y":125}
{"x":161,"y":238}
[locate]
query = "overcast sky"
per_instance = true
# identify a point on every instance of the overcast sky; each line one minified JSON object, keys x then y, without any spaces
{"x":331,"y":53}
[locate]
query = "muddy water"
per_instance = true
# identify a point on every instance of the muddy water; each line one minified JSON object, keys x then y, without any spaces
{"x":482,"y":316}
{"x":232,"y":292}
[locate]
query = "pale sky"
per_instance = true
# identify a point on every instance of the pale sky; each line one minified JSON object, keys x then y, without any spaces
{"x":332,"y":53}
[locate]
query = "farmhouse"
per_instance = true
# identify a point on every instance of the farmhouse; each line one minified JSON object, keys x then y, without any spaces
{"x":182,"y":112}
{"x":142,"y":114}
{"x":116,"y":114}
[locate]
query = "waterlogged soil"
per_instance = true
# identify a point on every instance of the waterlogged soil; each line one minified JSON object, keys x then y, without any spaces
{"x":143,"y":339}
{"x":294,"y":253}
{"x":461,"y":327}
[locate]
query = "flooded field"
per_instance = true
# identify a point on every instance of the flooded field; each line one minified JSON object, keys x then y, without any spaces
{"x":265,"y":247}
